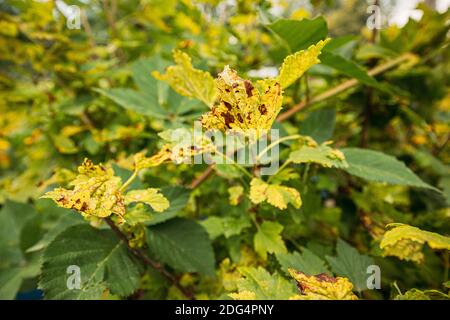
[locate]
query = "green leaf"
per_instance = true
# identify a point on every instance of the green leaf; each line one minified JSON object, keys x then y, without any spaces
{"x":376,"y":166}
{"x":14,"y":216}
{"x":103,"y":260}
{"x":227,"y":226}
{"x":134,"y":101}
{"x":67,"y":220}
{"x":150,"y":196}
{"x":268,"y":239}
{"x":323,"y":155}
{"x":153,"y":90}
{"x":182,"y":244}
{"x":306,"y":262}
{"x":351,"y":264}
{"x":300,"y":34}
{"x":319,"y":125}
{"x":178,"y":197}
{"x":259,"y":284}
{"x":14,"y":265}
{"x":349,"y":68}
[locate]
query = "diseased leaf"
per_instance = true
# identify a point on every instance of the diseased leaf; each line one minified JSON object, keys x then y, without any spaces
{"x":376,"y":166}
{"x":406,"y":242}
{"x":322,"y":287}
{"x":188,"y":81}
{"x":95,"y":194}
{"x":103,"y":261}
{"x":416,"y":294}
{"x":295,"y":65}
{"x":258,"y":284}
{"x":268,"y":239}
{"x":243,"y":106}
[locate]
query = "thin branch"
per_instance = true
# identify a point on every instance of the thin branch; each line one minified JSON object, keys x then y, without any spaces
{"x":197,"y":181}
{"x":141,"y":255}
{"x":341,"y":87}
{"x":87,"y":28}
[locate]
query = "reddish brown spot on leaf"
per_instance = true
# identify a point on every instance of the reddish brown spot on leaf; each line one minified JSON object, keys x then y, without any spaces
{"x":248,"y":88}
{"x":262,"y":108}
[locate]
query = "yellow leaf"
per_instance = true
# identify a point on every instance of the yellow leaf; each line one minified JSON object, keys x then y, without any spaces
{"x":95,"y":193}
{"x":277,"y":195}
{"x":406,"y":242}
{"x":188,"y":81}
{"x":322,"y":287}
{"x":149,"y":196}
{"x":243,"y":106}
{"x":295,"y":65}
{"x":235,"y":194}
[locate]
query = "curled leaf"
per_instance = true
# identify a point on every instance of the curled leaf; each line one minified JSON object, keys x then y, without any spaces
{"x":406,"y":242}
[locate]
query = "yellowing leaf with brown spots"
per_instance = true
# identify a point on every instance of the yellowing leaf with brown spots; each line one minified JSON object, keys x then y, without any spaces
{"x":322,"y":287}
{"x":95,"y":193}
{"x":406,"y":242}
{"x":295,"y":65}
{"x":188,"y":81}
{"x":243,"y":106}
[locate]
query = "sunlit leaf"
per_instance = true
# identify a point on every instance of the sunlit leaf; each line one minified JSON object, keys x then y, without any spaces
{"x":268,"y":239}
{"x":243,"y":106}
{"x":295,"y":65}
{"x":323,"y":155}
{"x":258,"y":284}
{"x":188,"y":81}
{"x":322,"y":287}
{"x":95,"y":192}
{"x":149,"y":196}
{"x":406,"y":242}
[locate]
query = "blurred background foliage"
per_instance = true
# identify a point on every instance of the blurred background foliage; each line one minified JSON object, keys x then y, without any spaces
{"x":67,"y":94}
